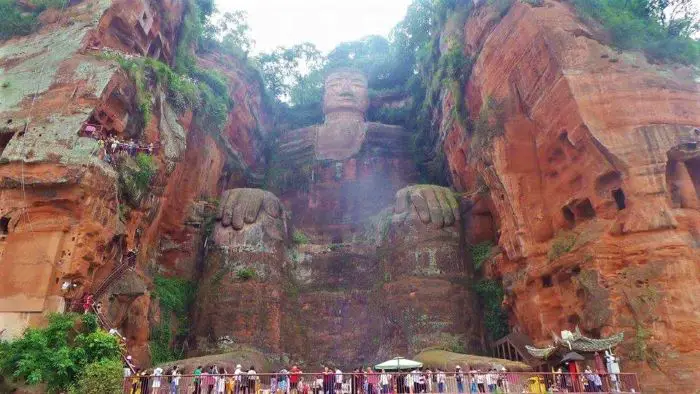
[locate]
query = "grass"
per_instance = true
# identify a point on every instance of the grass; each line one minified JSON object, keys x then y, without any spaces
{"x":562,"y":244}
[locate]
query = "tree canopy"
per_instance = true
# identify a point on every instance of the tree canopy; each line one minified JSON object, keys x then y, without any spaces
{"x":58,"y":354}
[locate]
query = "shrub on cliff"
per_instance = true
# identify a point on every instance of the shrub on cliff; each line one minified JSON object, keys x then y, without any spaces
{"x":299,"y":238}
{"x":102,"y":377}
{"x":56,"y":355}
{"x":175,"y":296}
{"x":14,"y":21}
{"x":663,"y":29}
{"x":490,"y":295}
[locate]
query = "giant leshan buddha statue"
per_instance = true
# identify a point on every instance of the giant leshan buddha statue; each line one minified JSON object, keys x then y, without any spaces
{"x":347,"y":169}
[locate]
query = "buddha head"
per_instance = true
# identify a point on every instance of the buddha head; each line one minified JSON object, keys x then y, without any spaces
{"x":345,"y":94}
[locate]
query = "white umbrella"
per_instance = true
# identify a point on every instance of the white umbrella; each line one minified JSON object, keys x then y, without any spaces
{"x":397,"y":363}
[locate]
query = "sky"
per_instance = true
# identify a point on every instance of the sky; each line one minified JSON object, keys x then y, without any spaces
{"x":325,"y":23}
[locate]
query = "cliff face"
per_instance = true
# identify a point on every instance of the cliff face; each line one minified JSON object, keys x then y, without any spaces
{"x":68,"y":216}
{"x":585,"y":164}
{"x":582,"y":165}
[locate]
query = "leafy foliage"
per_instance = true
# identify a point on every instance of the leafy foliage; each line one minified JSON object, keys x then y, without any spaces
{"x":175,"y":296}
{"x":490,"y":295}
{"x":203,"y":91}
{"x":245,"y":274}
{"x":56,"y":355}
{"x":15,"y":21}
{"x":299,"y":238}
{"x":663,"y":29}
{"x":480,"y":253}
{"x":146,"y":170}
{"x":101,"y":377}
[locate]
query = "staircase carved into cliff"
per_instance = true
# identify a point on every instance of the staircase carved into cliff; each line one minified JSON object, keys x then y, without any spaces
{"x":125,"y":263}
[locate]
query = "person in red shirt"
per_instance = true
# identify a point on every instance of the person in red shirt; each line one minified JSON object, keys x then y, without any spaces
{"x":294,"y":374}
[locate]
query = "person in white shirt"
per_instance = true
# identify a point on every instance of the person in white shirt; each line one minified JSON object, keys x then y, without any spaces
{"x":384,"y":382}
{"x":338,"y":381}
{"x":221,"y":381}
{"x":174,"y":380}
{"x":237,"y":377}
{"x":441,"y":378}
{"x":415,"y":376}
{"x":157,"y":373}
{"x":252,"y":378}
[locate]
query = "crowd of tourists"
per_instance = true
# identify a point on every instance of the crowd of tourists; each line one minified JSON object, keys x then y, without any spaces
{"x":215,"y":379}
{"x":218,"y":380}
{"x":109,"y":146}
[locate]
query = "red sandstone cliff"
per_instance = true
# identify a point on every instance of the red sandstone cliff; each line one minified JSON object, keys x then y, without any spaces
{"x":591,"y":184}
{"x":70,"y":217}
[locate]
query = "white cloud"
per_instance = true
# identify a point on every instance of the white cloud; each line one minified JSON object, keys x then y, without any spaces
{"x":325,"y":23}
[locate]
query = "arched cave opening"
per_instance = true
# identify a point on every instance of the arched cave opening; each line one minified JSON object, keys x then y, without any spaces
{"x":619,"y":197}
{"x":568,"y":215}
{"x":584,"y":209}
{"x":547,"y":281}
{"x":4,"y":225}
{"x":5,"y":140}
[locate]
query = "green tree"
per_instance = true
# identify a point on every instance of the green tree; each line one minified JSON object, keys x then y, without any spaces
{"x":283,"y":68}
{"x":102,"y":377}
{"x":55,"y":355}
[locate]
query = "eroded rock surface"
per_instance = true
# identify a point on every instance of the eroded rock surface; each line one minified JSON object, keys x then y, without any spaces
{"x":586,"y":189}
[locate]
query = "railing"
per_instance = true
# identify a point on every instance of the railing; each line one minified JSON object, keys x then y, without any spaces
{"x":501,"y":382}
{"x":117,"y":273}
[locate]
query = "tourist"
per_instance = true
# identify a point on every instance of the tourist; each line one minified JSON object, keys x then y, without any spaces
{"x":372,"y":381}
{"x":429,"y":380}
{"x":480,"y":381}
{"x":282,"y":385}
{"x":198,"y":380}
{"x":174,"y":380}
{"x":230,"y":382}
{"x":338,"y":381}
{"x":384,"y":382}
{"x":491,"y":379}
{"x":422,"y":386}
{"x":252,"y":377}
{"x":355,"y":381}
{"x":238,"y":379}
{"x":441,"y":378}
{"x":294,"y":375}
{"x":221,"y":382}
{"x":128,"y":367}
{"x":144,"y":382}
{"x":155,"y":384}
{"x":327,"y":380}
{"x":408,"y":383}
{"x":88,"y":302}
{"x":459,"y":377}
{"x":135,"y":382}
{"x":205,"y":381}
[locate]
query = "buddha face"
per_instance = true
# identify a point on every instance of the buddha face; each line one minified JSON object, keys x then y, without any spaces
{"x":345,"y":91}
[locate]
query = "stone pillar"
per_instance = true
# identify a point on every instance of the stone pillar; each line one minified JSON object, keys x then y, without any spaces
{"x":684,"y":183}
